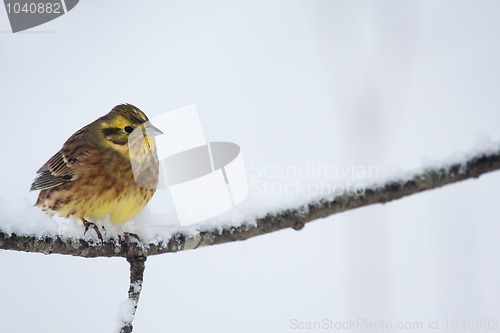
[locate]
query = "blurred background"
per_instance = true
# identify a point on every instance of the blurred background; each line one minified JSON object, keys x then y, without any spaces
{"x":392,"y":84}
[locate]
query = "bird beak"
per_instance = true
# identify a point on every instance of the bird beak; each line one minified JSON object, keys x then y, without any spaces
{"x":150,"y":130}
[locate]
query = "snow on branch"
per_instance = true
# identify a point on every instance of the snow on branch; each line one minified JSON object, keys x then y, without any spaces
{"x":296,"y":218}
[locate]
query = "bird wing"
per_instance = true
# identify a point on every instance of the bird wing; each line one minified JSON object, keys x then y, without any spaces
{"x":55,"y":172}
{"x":59,"y":169}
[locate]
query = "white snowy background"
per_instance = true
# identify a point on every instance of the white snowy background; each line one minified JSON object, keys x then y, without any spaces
{"x":392,"y":84}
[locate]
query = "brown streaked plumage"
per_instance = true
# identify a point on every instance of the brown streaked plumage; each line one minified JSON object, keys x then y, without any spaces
{"x":92,"y":176}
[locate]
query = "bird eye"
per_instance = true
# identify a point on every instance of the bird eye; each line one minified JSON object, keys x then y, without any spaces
{"x":128,"y":129}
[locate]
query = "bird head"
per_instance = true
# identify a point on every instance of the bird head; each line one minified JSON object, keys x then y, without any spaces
{"x":128,"y":131}
{"x":126,"y":125}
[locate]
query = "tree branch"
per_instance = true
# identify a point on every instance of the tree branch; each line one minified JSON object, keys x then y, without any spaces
{"x":296,"y":218}
{"x":292,"y":218}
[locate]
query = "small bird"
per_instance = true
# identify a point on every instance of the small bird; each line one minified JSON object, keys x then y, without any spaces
{"x":107,"y":168}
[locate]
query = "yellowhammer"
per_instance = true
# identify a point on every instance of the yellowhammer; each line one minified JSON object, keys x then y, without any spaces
{"x":107,"y":168}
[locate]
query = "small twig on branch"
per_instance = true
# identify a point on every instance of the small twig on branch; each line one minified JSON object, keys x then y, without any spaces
{"x":137,"y":265}
{"x":292,"y":218}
